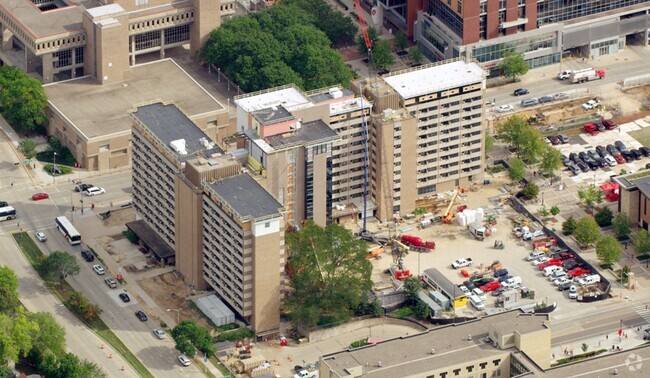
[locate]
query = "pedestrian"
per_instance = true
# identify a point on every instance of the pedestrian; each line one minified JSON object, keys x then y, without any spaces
{"x":626,"y":336}
{"x":73,"y":208}
{"x":12,"y":184}
{"x":613,"y":348}
{"x":553,"y":355}
{"x":92,"y":206}
{"x":606,"y":337}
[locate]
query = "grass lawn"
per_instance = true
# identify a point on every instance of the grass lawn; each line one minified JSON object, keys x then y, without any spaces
{"x":642,"y":135}
{"x":215,"y":361}
{"x":403,"y":312}
{"x":34,"y":255}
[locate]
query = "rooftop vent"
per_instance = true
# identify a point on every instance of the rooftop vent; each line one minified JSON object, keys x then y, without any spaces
{"x":335,"y":92}
{"x":178,"y":146}
{"x":212,"y":162}
{"x":206,"y":143}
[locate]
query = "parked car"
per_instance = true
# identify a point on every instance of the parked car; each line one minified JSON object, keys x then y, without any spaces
{"x":501,"y":272}
{"x":591,"y":129}
{"x":87,"y":255}
{"x":141,"y":315}
{"x":40,"y":196}
{"x":504,"y":278}
{"x":573,"y":292}
{"x":609,"y":124}
{"x":551,"y":262}
{"x":540,"y":260}
{"x":588,"y":280}
{"x":94,"y":191}
{"x":554,"y":139}
{"x":564,"y":285}
{"x":521,"y":92}
{"x":159,"y":333}
{"x":600,"y":127}
{"x":601,"y":162}
{"x":584,"y":156}
{"x":612,"y":150}
{"x":490,"y":286}
{"x":627,"y":155}
{"x":593,"y":154}
{"x":601,"y":151}
{"x":569,"y":264}
{"x":645,"y":150}
{"x":563,"y":138}
{"x":512,"y":282}
{"x":583,"y":166}
{"x":40,"y":236}
{"x":184,"y":360}
{"x":561,"y":95}
{"x":479,"y":293}
{"x":545,"y":99}
{"x":566,"y":161}
{"x":574,"y":169}
{"x":505,"y":108}
{"x":498,"y":291}
{"x":593,"y":165}
{"x":591,"y":104}
{"x":610,"y":160}
{"x":638,"y":155}
{"x":579,"y":271}
{"x":111,"y":282}
{"x":464,"y":289}
{"x":125,"y":297}
{"x":620,"y":159}
{"x":469,"y":284}
{"x":561,"y":280}
{"x":529,"y":102}
{"x":574,"y":157}
{"x":620,"y":146}
{"x":99,"y":269}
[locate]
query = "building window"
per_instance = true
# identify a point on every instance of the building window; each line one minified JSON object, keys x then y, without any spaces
{"x":177,"y":34}
{"x":267,"y":224}
{"x":496,"y":362}
{"x":457,"y":371}
{"x":139,"y":3}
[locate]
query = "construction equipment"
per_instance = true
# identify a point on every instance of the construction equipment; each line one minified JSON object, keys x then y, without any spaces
{"x":364,"y":30}
{"x":498,"y":244}
{"x":447,"y":217}
{"x":417,"y":244}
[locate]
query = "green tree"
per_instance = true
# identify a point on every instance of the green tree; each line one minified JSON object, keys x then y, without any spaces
{"x":517,"y":170}
{"x":604,"y":217}
{"x":382,"y":57}
{"x":340,"y":29}
{"x":511,"y":130}
{"x":190,"y":336}
{"x":8,"y":290}
{"x":412,"y":286}
{"x":543,"y":211}
{"x":6,"y":372}
{"x":91,"y":369}
{"x":555,"y":210}
{"x":569,"y":226}
{"x":80,"y":304}
{"x":22,"y":100}
{"x":551,"y":160}
{"x":587,"y":231}
{"x":50,"y":336}
{"x":361,"y":43}
{"x":608,"y":250}
{"x":415,"y":53}
{"x":28,"y":148}
{"x":422,"y":310}
{"x":531,"y":190}
{"x":513,"y":65}
{"x":59,"y":265}
{"x":331,"y":275}
{"x":401,"y":41}
{"x":622,"y":226}
{"x":16,"y":335}
{"x":590,"y":196}
{"x":641,"y":242}
{"x":530,"y":145}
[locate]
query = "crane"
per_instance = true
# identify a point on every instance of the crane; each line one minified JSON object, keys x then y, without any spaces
{"x":448,"y":214}
{"x":364,"y":30}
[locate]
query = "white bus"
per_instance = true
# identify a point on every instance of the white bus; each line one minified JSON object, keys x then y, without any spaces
{"x":68,"y":230}
{"x":7,"y":213}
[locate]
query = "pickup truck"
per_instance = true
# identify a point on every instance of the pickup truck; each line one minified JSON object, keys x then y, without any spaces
{"x":461,"y":263}
{"x":305,"y":374}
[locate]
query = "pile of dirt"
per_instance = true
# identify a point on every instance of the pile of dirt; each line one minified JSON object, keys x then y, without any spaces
{"x":169,"y":291}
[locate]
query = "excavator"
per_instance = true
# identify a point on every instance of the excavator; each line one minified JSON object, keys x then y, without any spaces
{"x":449,"y":215}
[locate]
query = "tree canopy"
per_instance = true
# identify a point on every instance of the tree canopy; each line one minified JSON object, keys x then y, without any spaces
{"x":608,"y":250}
{"x":331,"y":273}
{"x":22,"y":100}
{"x":622,"y":225}
{"x":8,"y":290}
{"x":516,"y":169}
{"x":513,"y":64}
{"x":528,"y":141}
{"x":280,"y":45}
{"x":59,"y":265}
{"x":590,"y":196}
{"x":190,"y":336}
{"x":551,"y":160}
{"x":587,"y":231}
{"x":641,"y":242}
{"x":382,"y":57}
{"x":28,"y":148}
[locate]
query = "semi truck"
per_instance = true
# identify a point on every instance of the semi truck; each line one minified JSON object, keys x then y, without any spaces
{"x":417,"y":244}
{"x":586,"y":74}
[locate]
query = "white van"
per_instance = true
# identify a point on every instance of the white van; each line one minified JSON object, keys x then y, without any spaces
{"x":476,"y":302}
{"x":479,"y":293}
{"x":534,"y":255}
{"x":550,"y":270}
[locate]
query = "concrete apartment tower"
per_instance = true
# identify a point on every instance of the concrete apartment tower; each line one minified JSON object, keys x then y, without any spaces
{"x":224,"y":230}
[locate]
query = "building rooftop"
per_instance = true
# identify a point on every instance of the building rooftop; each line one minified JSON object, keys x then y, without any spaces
{"x":434,"y":78}
{"x":411,"y":355}
{"x":643,"y":184}
{"x":272,"y":115}
{"x":329,"y":94}
{"x":246,"y":196}
{"x":100,"y":110}
{"x":289,"y":97}
{"x":629,"y":363}
{"x":157,"y":244}
{"x":442,"y":282}
{"x":350,"y":105}
{"x":45,"y":24}
{"x":308,"y":133}
{"x":170,"y":126}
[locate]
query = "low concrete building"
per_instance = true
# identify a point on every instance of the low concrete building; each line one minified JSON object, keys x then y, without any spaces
{"x":504,"y":345}
{"x":92,"y":120}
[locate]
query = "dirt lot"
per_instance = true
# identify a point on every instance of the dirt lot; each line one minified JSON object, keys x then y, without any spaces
{"x":120,"y":216}
{"x":168,"y":291}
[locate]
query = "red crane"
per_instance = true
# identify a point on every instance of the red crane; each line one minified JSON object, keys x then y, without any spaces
{"x":364,"y":28}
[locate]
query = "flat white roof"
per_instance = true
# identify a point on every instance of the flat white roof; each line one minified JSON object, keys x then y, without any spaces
{"x":433,"y":79}
{"x":349,"y":105}
{"x":290,"y":98}
{"x":105,"y":10}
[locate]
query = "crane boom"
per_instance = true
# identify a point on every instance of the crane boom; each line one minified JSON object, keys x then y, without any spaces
{"x":364,"y":28}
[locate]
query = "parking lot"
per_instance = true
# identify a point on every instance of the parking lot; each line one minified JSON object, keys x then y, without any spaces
{"x":457,"y":243}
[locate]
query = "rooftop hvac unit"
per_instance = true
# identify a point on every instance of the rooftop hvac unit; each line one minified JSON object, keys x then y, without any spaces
{"x":340,"y":207}
{"x":206,"y":143}
{"x":335,"y":92}
{"x":178,"y":146}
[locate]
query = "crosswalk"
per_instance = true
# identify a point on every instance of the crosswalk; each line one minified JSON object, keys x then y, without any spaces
{"x":643,"y":310}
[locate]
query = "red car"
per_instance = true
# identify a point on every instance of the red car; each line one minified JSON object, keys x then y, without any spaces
{"x":490,"y":286}
{"x":591,"y":129}
{"x":40,"y":196}
{"x":563,"y":256}
{"x":578,"y":272}
{"x":551,"y":262}
{"x":609,"y":124}
{"x":619,"y":159}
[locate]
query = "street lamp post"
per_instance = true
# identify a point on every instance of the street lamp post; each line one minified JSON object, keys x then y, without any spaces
{"x":54,"y":169}
{"x":178,"y":314}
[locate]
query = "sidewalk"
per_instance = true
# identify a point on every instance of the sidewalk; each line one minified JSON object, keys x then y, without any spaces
{"x":611,"y":342}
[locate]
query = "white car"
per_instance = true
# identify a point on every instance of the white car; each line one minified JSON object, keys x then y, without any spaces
{"x":479,"y":293}
{"x":464,"y":289}
{"x":564,"y":75}
{"x":610,"y":160}
{"x":184,"y":360}
{"x":505,"y":108}
{"x":94,"y":191}
{"x":573,"y":292}
{"x":591,"y":104}
{"x":561,"y":280}
{"x":540,"y":260}
{"x":41,"y":237}
{"x":159,"y":333}
{"x":99,"y":269}
{"x":461,"y":263}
